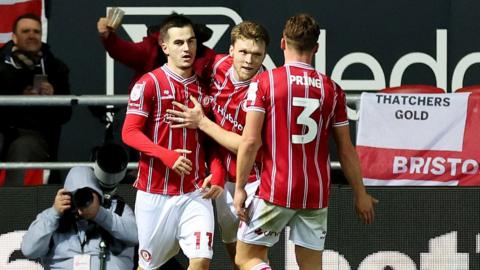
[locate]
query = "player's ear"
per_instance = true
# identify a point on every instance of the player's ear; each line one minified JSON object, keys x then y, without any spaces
{"x":282,"y":43}
{"x":315,"y":49}
{"x":14,"y":39}
{"x":163,"y":45}
{"x":230,"y":51}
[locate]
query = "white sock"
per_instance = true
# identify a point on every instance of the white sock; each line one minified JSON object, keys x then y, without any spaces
{"x":261,"y":266}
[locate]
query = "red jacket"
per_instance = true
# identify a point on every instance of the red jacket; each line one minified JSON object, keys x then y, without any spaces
{"x":146,"y":55}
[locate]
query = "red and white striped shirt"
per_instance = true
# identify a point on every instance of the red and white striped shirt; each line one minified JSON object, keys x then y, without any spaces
{"x":301,"y":106}
{"x":229,"y":110}
{"x":151,"y":96}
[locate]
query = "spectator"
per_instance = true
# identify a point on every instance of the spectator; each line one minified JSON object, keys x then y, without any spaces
{"x":27,"y":67}
{"x":147,"y":55}
{"x":82,"y":227}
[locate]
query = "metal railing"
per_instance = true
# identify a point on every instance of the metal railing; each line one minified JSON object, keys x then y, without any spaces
{"x":88,"y":100}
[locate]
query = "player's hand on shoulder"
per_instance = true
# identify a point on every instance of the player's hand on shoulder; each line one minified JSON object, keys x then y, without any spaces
{"x":365,"y":207}
{"x":182,"y":165}
{"x":210,"y":191}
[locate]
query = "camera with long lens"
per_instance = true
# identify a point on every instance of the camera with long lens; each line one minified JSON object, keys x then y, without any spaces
{"x":111,"y":162}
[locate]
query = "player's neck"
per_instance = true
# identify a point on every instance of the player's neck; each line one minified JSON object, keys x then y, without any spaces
{"x":183,"y":72}
{"x":235,"y":76}
{"x":294,"y":56}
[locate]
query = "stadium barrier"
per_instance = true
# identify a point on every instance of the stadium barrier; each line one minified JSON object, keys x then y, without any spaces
{"x":415,"y":228}
{"x":92,"y":100}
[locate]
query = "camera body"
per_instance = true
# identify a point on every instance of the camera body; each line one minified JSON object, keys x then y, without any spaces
{"x":81,"y":198}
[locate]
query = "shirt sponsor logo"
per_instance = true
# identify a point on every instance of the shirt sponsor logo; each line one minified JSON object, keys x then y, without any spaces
{"x":259,"y":231}
{"x":227,"y":116}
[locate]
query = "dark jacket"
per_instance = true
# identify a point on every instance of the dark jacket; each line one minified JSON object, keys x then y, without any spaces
{"x":147,"y":55}
{"x":14,"y":78}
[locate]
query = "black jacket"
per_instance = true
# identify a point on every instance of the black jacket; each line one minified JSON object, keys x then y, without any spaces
{"x":14,"y":78}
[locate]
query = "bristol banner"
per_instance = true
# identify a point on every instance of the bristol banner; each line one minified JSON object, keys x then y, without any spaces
{"x":419,"y":139}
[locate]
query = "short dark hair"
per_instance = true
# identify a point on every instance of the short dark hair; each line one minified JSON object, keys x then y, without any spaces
{"x":174,"y":20}
{"x":30,"y":16}
{"x":301,"y":32}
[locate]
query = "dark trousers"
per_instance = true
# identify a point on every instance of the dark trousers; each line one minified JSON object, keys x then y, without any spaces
{"x":28,"y":146}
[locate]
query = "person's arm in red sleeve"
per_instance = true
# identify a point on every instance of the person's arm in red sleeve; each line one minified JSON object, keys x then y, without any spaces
{"x":133,"y":136}
{"x":217,"y":169}
{"x":216,"y":180}
{"x":134,"y":55}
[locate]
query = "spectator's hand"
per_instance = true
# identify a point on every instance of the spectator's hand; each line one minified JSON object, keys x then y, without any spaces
{"x":183,"y":165}
{"x":239,"y":203}
{"x":46,"y":89}
{"x":63,"y":201}
{"x":102,"y":27}
{"x":187,"y":117}
{"x":364,"y":206}
{"x":210,"y":191}
{"x":90,"y":212}
{"x":30,"y":91}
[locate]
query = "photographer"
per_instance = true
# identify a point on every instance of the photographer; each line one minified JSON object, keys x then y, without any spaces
{"x":84,"y":227}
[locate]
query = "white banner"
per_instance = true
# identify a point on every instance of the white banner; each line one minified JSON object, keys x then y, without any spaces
{"x":416,"y":122}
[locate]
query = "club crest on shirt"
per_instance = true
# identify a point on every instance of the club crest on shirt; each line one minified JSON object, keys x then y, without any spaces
{"x":207,"y":101}
{"x":137,"y":91}
{"x":146,"y":256}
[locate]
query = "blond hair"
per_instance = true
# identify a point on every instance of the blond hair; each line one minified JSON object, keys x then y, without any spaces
{"x":249,"y":30}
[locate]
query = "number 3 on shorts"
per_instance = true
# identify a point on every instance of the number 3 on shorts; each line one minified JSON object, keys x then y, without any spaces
{"x":310,"y":105}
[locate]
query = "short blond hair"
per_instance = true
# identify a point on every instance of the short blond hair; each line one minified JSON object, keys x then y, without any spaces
{"x":249,"y":30}
{"x":301,"y":32}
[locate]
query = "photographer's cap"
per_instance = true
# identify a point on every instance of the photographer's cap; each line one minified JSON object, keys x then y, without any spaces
{"x":81,"y":177}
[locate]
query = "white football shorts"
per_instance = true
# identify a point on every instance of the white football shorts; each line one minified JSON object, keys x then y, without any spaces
{"x":226,"y":215}
{"x":168,"y":223}
{"x":308,"y":227}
